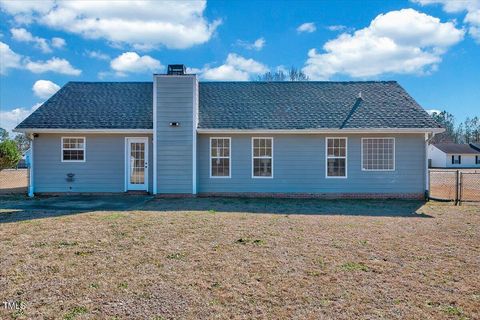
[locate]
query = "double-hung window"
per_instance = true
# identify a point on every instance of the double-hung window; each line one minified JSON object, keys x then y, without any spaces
{"x":457,"y":159}
{"x":73,"y":149}
{"x":336,"y":157}
{"x":220,"y":164}
{"x":378,"y":154}
{"x":262,"y":157}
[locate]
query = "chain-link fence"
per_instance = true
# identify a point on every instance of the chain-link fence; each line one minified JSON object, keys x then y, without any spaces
{"x":13,"y":181}
{"x":454,"y":185}
{"x":469,"y":189}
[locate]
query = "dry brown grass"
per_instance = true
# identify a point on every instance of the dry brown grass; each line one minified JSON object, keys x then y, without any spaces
{"x":201,"y":263}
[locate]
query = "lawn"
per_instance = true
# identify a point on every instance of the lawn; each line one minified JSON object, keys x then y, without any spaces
{"x":240,"y":259}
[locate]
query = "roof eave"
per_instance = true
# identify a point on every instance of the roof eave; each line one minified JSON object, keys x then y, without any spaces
{"x":67,"y":130}
{"x":319,"y":131}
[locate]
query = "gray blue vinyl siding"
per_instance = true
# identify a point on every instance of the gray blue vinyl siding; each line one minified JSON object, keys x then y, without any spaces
{"x":299,"y":166}
{"x":174,"y":103}
{"x":103,"y":170}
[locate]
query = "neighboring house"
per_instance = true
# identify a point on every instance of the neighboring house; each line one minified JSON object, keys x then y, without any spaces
{"x":452,"y":155}
{"x":181,"y":136}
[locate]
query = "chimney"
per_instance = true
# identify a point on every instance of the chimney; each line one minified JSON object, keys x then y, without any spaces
{"x":175,"y":113}
{"x":176,"y":69}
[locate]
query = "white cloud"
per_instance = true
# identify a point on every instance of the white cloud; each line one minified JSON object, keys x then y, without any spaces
{"x":193,"y":70}
{"x":404,"y":41}
{"x":58,"y":43}
{"x":235,"y":68}
{"x":141,"y":24}
{"x":472,"y":7}
{"x":256,"y":45}
{"x":451,"y":6}
{"x":307,"y":27}
{"x":337,"y":27}
{"x":10,"y":119}
{"x":10,"y":59}
{"x":97,"y":55}
{"x":22,"y":35}
{"x":432,"y":111}
{"x":44,"y":88}
{"x":133,"y":63}
{"x":23,"y":10}
{"x":52,"y":65}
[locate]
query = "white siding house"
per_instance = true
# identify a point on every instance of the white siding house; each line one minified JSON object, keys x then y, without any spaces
{"x":451,"y":155}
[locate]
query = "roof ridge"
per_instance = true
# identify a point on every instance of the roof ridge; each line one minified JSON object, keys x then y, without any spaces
{"x":250,"y":82}
{"x":109,"y":82}
{"x":309,"y":81}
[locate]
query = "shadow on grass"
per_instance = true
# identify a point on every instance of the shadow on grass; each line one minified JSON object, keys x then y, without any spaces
{"x":13,"y":209}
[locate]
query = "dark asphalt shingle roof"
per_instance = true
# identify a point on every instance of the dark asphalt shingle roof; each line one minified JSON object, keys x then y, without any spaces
{"x":456,"y":148}
{"x":238,"y":105}
{"x":96,"y":105}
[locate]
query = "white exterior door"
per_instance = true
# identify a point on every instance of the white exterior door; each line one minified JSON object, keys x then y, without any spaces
{"x":137,"y":163}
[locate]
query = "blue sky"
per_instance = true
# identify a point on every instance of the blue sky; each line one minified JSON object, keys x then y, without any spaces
{"x":431,"y":47}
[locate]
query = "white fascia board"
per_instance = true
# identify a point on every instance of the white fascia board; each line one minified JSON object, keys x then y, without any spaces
{"x":60,"y":130}
{"x":319,"y":131}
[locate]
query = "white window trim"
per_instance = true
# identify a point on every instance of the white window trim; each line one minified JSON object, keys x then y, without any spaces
{"x":394,"y":160}
{"x":229,"y":157}
{"x":126,"y":161}
{"x":84,"y":149}
{"x":326,"y":158}
{"x":262,"y":157}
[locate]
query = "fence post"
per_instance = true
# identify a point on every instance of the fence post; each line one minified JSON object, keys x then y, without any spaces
{"x":460,"y":189}
{"x":427,"y":192}
{"x":456,"y":187}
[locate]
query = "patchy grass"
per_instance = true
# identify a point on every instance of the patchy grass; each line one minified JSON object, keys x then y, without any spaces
{"x":354,"y":266}
{"x":176,"y":256}
{"x":252,"y":258}
{"x":74,"y":312}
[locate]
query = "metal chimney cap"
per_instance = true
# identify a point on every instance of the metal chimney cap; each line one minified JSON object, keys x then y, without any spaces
{"x":176,"y":69}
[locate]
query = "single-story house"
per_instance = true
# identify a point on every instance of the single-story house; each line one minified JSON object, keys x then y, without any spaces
{"x":179,"y":136}
{"x":453,"y":155}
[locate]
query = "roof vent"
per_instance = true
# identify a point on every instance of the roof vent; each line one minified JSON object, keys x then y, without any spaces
{"x":176,"y":69}
{"x":360,"y":95}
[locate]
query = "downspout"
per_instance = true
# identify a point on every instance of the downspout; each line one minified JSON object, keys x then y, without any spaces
{"x":30,"y":176}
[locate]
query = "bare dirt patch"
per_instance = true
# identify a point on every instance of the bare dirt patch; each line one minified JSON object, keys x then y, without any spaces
{"x":243,"y":259}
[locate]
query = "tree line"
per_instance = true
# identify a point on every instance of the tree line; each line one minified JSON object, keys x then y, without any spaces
{"x":11,"y":150}
{"x":467,"y":131}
